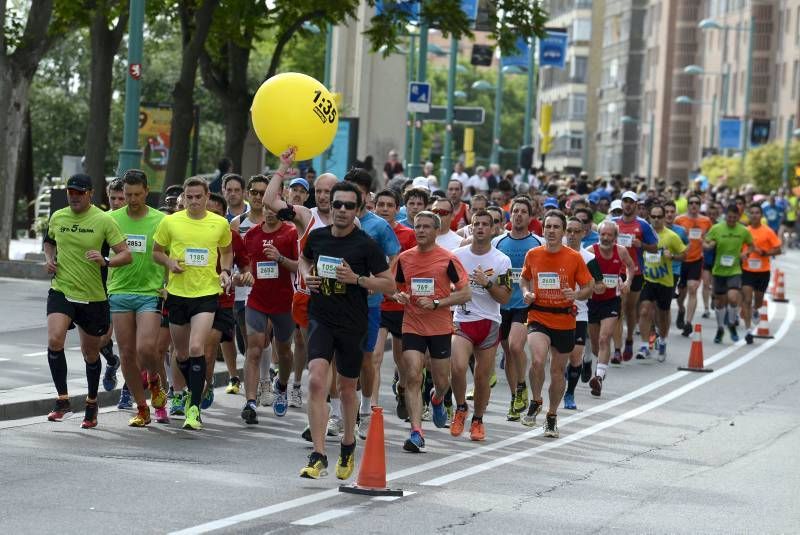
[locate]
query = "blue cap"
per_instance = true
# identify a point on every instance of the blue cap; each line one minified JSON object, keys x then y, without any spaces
{"x":299,"y":182}
{"x":551,"y":202}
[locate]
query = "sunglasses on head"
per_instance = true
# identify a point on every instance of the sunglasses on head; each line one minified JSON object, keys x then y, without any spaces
{"x":347,"y":205}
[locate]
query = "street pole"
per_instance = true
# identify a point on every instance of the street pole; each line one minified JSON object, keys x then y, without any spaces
{"x":412,"y":51}
{"x":747,"y":88}
{"x":498,"y":104}
{"x":650,"y":149}
{"x":415,"y":168}
{"x":531,"y":98}
{"x":786,"y":146}
{"x":714,"y":116}
{"x":326,"y":81}
{"x":447,"y":157}
{"x":130,"y":153}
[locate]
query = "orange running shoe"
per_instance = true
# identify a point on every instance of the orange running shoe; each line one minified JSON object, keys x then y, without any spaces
{"x":477,"y":431}
{"x":457,"y":424}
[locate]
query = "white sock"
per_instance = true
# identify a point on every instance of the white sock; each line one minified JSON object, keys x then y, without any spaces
{"x":733,"y":314}
{"x":336,"y":408}
{"x":266,"y":358}
{"x":366,"y":405}
{"x":601,"y":370}
{"x":720,"y":313}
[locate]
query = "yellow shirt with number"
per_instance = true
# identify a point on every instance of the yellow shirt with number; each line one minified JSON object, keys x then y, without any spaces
{"x":194,"y":244}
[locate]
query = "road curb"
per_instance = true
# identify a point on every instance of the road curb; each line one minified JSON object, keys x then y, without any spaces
{"x":23,"y":269}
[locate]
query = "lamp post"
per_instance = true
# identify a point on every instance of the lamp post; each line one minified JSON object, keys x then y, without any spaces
{"x":447,"y":157}
{"x":627,"y":119}
{"x":529,"y":100}
{"x":415,"y":166}
{"x":130,"y":154}
{"x":326,"y":81}
{"x":790,"y":133}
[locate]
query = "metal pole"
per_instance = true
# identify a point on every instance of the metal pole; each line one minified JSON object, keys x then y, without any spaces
{"x":415,"y":168}
{"x":531,"y":98}
{"x":650,"y":149}
{"x":447,"y":157}
{"x":498,"y":105}
{"x":714,"y":115}
{"x":747,"y":88}
{"x":326,"y":81}
{"x":789,"y":134}
{"x":409,"y":116}
{"x":130,"y":154}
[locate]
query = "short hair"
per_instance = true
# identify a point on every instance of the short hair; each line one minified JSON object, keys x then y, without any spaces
{"x":232,"y":176}
{"x":522,"y":200}
{"x":346,"y":186}
{"x":460,"y":185}
{"x":134,"y":177}
{"x":584,"y":211}
{"x":480,"y":197}
{"x":574,"y":219}
{"x":437,"y":221}
{"x":558,"y":214}
{"x":732,"y":208}
{"x":670,"y":203}
{"x":418,"y":193}
{"x":216,"y":197}
{"x":311,"y":170}
{"x":257,"y":179}
{"x":358,"y":176}
{"x":656,"y":205}
{"x":756,"y":205}
{"x":388,"y":192}
{"x":483,"y":213}
{"x":115,"y":185}
{"x":608,"y":223}
{"x":173,"y":191}
{"x":445,"y":199}
{"x":498,"y":210}
{"x":195,"y":181}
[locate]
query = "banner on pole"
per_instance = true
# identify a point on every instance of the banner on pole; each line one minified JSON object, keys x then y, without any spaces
{"x":155,"y":123}
{"x":553,"y":49}
{"x":730,"y":133}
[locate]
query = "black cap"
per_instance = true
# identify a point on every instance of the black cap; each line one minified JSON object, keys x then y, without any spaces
{"x":80,"y":182}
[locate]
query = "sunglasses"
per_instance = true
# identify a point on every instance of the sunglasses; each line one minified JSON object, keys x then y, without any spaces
{"x":257,"y":192}
{"x":656,"y":217}
{"x":441,"y":212}
{"x":347,"y":205}
{"x":694,"y":202}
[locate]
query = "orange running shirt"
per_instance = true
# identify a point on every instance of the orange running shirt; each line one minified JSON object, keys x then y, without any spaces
{"x":696,"y":228}
{"x":549,"y":273}
{"x":764,"y":238}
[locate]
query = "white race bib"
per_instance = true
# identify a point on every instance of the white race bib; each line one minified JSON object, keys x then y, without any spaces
{"x":695,"y":233}
{"x":625,"y":240}
{"x":753,"y":263}
{"x":267,"y":269}
{"x":137,"y":243}
{"x":726,"y":260}
{"x":195,"y":257}
{"x":422,"y":287}
{"x":652,"y":258}
{"x":610,"y":281}
{"x":326,"y":266}
{"x":548,"y":281}
{"x":516,"y":274}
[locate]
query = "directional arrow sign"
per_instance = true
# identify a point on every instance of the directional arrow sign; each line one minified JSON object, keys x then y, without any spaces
{"x":461,"y":115}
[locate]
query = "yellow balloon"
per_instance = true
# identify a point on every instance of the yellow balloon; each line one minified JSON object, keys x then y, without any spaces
{"x":294,"y":110}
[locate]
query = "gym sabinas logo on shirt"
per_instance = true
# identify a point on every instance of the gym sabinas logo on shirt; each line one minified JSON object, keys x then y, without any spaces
{"x":77,"y":228}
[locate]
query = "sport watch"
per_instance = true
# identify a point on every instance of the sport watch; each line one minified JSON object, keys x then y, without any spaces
{"x":435,"y":304}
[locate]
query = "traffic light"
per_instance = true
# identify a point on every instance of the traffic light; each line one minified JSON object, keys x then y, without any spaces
{"x":482,"y":55}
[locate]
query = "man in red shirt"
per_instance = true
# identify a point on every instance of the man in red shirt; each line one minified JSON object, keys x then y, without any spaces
{"x":455,"y":190}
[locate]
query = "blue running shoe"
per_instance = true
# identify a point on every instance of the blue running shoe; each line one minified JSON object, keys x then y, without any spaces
{"x":110,"y":377}
{"x":281,"y":403}
{"x":415,"y":443}
{"x":176,"y":404}
{"x":569,"y":401}
{"x":208,"y":398}
{"x":438,"y":412}
{"x":125,"y":400}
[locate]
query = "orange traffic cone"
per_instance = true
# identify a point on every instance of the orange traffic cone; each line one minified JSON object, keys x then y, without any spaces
{"x":372,"y":475}
{"x":779,"y":296}
{"x":696,"y":353}
{"x":763,"y":322}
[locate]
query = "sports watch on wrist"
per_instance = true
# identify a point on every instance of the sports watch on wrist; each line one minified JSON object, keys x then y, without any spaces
{"x":435,"y":304}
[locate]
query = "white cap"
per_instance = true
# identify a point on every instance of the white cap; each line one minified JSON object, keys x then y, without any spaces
{"x":421,"y":182}
{"x":616,"y":204}
{"x":630,"y":195}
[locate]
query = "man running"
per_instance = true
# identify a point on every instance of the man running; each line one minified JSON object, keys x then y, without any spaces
{"x":446,"y":237}
{"x":548,"y":280}
{"x":696,"y":226}
{"x":188,"y":243}
{"x":72,"y":245}
{"x":756,"y":268}
{"x":233,"y":191}
{"x":478,"y":323}
{"x":416,"y":200}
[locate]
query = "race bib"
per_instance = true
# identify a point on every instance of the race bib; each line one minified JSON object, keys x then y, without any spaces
{"x":610,"y":281}
{"x":625,"y":240}
{"x":422,"y":287}
{"x":548,"y":281}
{"x":516,"y":274}
{"x":726,"y":260}
{"x":652,"y":258}
{"x":195,"y":257}
{"x":267,"y":270}
{"x":695,"y":233}
{"x":326,"y":266}
{"x":753,"y":263}
{"x":137,"y":243}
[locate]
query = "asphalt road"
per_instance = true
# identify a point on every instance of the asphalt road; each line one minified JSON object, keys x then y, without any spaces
{"x":661,"y":452}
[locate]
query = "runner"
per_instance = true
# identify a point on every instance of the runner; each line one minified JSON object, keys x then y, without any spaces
{"x":416,"y":200}
{"x":340,"y":264}
{"x":72,"y":245}
{"x":194,"y":239}
{"x":729,"y":238}
{"x":233,"y":191}
{"x":424,"y":275}
{"x":446,"y":237}
{"x":514,"y":314}
{"x":605,"y":303}
{"x":696,"y":226}
{"x":477,"y":323}
{"x":135,"y":302}
{"x":756,"y":269}
{"x":548,"y":280}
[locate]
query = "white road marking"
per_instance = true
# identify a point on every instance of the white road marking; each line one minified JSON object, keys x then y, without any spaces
{"x":330,"y":514}
{"x":3,"y":360}
{"x":44,"y":353}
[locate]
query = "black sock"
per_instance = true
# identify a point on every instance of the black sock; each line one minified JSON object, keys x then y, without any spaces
{"x":462,"y":407}
{"x":478,"y":419}
{"x":197,"y":378}
{"x":93,"y":378}
{"x":108,"y":353}
{"x":448,"y":398}
{"x":281,"y":388}
{"x":521,"y":386}
{"x":58,"y":369}
{"x":183,"y":366}
{"x":573,"y":374}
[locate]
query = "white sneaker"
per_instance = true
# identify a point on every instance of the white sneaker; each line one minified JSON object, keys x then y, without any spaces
{"x":363,"y":425}
{"x":426,"y":414}
{"x":296,"y":397}
{"x":266,"y":395}
{"x":335,"y":426}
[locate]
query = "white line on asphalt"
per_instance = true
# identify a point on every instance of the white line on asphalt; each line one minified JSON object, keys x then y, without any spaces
{"x":3,"y":360}
{"x":43,"y":353}
{"x":324,"y":495}
{"x":330,"y":514}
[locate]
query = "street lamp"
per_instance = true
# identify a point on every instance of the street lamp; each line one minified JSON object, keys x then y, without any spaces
{"x":130,"y":154}
{"x":683,"y":99}
{"x":627,"y":119}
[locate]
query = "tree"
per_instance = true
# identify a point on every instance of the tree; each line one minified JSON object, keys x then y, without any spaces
{"x":722,"y":169}
{"x":21,"y":48}
{"x":764,"y":165}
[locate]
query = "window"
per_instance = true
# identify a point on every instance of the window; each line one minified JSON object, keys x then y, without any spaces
{"x":578,"y":69}
{"x":613,"y":70}
{"x":577,"y":107}
{"x":581,"y":30}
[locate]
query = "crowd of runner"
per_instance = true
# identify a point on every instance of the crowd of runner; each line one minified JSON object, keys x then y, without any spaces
{"x":313,"y":275}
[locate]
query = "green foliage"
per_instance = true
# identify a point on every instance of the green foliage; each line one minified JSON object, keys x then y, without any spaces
{"x":763,"y":167}
{"x":722,"y":169}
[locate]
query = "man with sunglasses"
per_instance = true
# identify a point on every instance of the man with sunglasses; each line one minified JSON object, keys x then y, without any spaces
{"x":696,"y":226}
{"x":72,"y":245}
{"x":446,"y":237}
{"x":590,"y":236}
{"x":340,"y":264}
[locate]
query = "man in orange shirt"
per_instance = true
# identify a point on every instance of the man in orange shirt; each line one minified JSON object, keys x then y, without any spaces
{"x":548,"y":281}
{"x":696,"y":226}
{"x":756,"y":269}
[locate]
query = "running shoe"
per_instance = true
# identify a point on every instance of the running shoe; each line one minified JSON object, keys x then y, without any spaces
{"x":249,"y":413}
{"x":335,"y":426}
{"x":734,"y":334}
{"x":513,"y":413}
{"x":688,"y":329}
{"x":316,"y":468}
{"x":596,"y":385}
{"x":643,"y":353}
{"x":61,"y":410}
{"x":616,"y":358}
{"x":158,"y":398}
{"x":748,"y":338}
{"x":90,"y":416}
{"x":208,"y":397}
{"x":402,"y":410}
{"x":395,"y":381}
{"x":161,"y":416}
{"x":438,"y":412}
{"x":176,"y":404}
{"x":458,"y":422}
{"x":110,"y":375}
{"x":265,"y":396}
{"x":569,"y":401}
{"x":719,"y":335}
{"x":426,"y":414}
{"x":193,"y":420}
{"x":281,"y":403}
{"x":347,"y":461}
{"x":627,"y":354}
{"x":679,"y":321}
{"x":529,"y":419}
{"x":125,"y":399}
{"x":521,"y":400}
{"x":233,"y":385}
{"x":706,"y":315}
{"x":551,"y":426}
{"x":306,"y":434}
{"x":493,"y":380}
{"x":586,"y":371}
{"x":296,"y":397}
{"x":477,"y":431}
{"x":363,"y":425}
{"x":662,"y":350}
{"x":415,"y":443}
{"x":141,"y":419}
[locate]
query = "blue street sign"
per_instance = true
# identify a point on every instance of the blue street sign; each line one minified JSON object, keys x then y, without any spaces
{"x":409,"y":7}
{"x":520,"y":59}
{"x":553,"y":50}
{"x":730,"y":133}
{"x":470,"y":7}
{"x":419,"y":97}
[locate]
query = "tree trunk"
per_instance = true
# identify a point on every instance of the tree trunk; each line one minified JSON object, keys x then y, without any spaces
{"x":25,"y":176}
{"x":105,"y":45}
{"x":195,"y":27}
{"x":16,"y":72}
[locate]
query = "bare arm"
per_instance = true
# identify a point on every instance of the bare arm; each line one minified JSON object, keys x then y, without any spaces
{"x":630,"y":267}
{"x":457,"y":297}
{"x":382,"y":282}
{"x":160,"y":257}
{"x":122,"y":255}
{"x":50,"y":257}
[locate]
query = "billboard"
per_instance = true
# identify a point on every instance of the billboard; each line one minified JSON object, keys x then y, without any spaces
{"x":154,"y":141}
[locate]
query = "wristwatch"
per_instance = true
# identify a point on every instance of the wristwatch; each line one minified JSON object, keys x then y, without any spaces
{"x":106,"y":260}
{"x":435,"y":304}
{"x":488,"y":285}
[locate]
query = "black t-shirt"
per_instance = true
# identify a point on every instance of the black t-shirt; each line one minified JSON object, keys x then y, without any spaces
{"x":338,"y":305}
